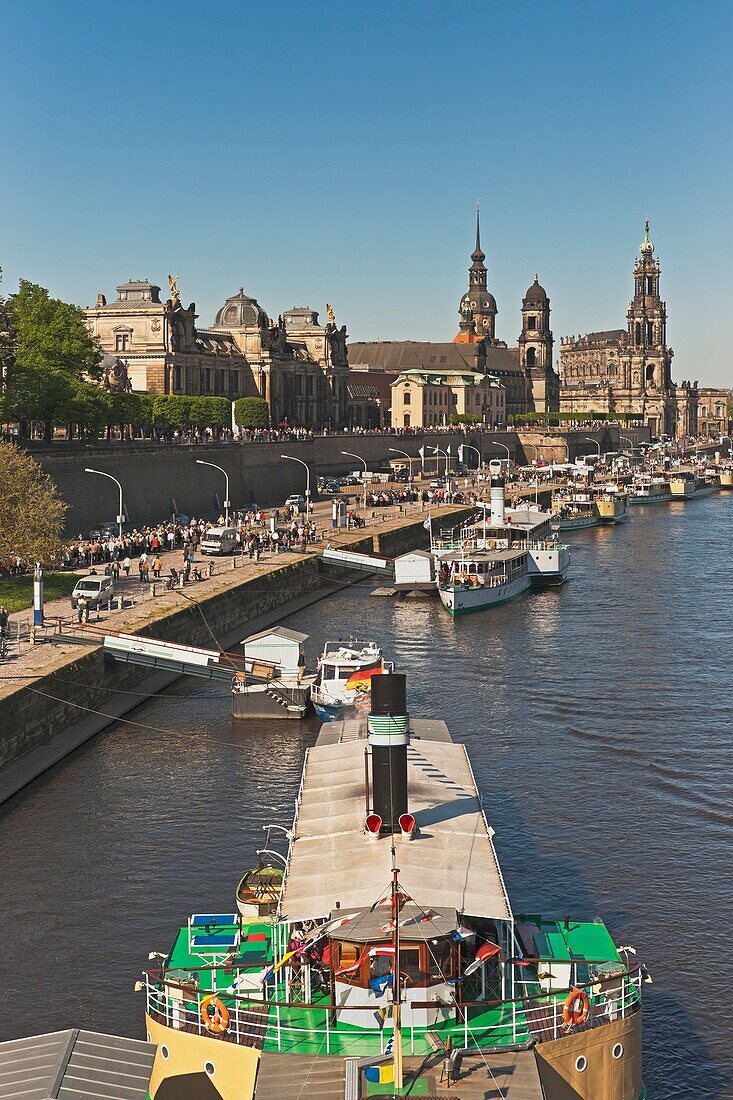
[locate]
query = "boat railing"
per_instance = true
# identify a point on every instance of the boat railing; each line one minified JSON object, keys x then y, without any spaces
{"x":533,"y":1016}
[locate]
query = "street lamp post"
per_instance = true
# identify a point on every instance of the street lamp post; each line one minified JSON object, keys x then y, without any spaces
{"x":504,"y":446}
{"x":595,"y":442}
{"x":470,"y":447}
{"x":445,"y":454}
{"x":227,"y":504}
{"x":628,"y":439}
{"x":352,"y":455}
{"x":397,"y":451}
{"x":292,"y":458}
{"x":121,"y":514}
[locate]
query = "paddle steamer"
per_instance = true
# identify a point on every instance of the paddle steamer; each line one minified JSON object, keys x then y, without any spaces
{"x":386,"y":954}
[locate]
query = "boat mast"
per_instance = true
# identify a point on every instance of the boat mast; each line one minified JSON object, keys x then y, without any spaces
{"x":396,"y":990}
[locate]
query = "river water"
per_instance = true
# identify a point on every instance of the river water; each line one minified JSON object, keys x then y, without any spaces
{"x":598,"y":718}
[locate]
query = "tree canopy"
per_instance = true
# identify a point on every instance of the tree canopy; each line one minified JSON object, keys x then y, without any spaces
{"x":31,"y":510}
{"x":251,"y":412}
{"x":55,"y":361}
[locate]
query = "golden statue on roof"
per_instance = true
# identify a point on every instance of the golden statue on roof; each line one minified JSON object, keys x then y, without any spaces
{"x":330,"y":313}
{"x":173,"y":284}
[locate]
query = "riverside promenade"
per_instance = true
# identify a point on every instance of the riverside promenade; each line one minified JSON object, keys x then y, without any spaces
{"x":55,"y":696}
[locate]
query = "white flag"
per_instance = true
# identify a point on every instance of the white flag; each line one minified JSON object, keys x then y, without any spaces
{"x":448,"y":448}
{"x":427,"y":523}
{"x":421,"y":452}
{"x":460,"y":453}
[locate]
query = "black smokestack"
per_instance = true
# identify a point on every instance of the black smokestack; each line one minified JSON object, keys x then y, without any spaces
{"x":388,"y":738}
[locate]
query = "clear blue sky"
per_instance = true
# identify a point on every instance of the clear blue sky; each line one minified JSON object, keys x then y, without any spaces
{"x":334,"y":152}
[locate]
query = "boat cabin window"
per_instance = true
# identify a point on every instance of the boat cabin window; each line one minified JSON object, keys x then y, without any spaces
{"x":330,"y":672}
{"x":410,"y":965}
{"x":439,"y":961}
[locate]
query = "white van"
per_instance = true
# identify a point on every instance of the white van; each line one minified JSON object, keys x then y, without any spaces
{"x":95,"y":589}
{"x":219,"y":540}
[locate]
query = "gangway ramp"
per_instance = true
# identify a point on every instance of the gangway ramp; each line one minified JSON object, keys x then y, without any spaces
{"x":155,"y":653}
{"x":364,"y":563}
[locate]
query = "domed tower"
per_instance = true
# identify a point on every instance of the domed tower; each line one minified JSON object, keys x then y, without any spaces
{"x":480,"y":301}
{"x":241,"y":311}
{"x":535,"y":349}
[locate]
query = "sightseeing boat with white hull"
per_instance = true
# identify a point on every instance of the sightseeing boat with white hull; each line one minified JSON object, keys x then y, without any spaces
{"x":496,"y":556}
{"x":574,"y":510}
{"x":649,"y":490}
{"x":343,"y":681}
{"x":683,"y":486}
{"x":393,"y":960}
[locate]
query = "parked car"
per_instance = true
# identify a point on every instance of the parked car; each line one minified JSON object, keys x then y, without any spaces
{"x":95,"y":589}
{"x":219,"y":540}
{"x":107,"y":529}
{"x":296,"y":500}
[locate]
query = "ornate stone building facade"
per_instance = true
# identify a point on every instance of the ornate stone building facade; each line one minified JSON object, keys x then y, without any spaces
{"x":630,"y":370}
{"x":715,"y":412}
{"x":298,"y":366}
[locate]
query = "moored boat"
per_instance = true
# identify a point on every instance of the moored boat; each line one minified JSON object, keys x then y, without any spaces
{"x":394,"y":953}
{"x":649,"y":490}
{"x":574,"y":510}
{"x":682,"y":486}
{"x":343,"y":679}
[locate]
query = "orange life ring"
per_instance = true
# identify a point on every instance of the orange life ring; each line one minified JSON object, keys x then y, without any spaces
{"x":217,"y":1021}
{"x":576,"y":1008}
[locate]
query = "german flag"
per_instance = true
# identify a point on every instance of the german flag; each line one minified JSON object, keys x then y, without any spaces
{"x":361,"y":677}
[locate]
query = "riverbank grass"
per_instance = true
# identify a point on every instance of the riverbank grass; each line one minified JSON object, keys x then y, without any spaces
{"x":17,"y":592}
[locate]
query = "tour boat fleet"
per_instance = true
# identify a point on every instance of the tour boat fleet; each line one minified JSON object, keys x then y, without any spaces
{"x":381,"y":952}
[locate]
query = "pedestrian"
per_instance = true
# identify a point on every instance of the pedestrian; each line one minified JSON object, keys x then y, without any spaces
{"x":3,"y":621}
{"x":82,"y":611}
{"x":157,"y":566}
{"x":126,"y":565}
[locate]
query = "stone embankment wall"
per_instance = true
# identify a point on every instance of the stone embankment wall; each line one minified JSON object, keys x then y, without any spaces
{"x":35,"y":712}
{"x":551,"y":446}
{"x":158,"y":481}
{"x":45,"y":718}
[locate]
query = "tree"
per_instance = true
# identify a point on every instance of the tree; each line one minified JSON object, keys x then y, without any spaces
{"x":210,"y":412}
{"x":251,"y":412}
{"x":53,"y":350}
{"x":172,"y":410}
{"x":31,"y":510}
{"x":7,"y":344}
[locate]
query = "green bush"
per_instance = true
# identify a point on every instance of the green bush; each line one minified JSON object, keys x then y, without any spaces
{"x":251,"y":412}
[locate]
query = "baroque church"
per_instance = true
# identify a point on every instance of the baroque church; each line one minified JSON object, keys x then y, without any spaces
{"x":630,"y":370}
{"x":525,"y":372}
{"x":297,"y":365}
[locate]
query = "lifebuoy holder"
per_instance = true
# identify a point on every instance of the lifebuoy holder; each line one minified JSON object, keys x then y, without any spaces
{"x":215,"y":1021}
{"x":576,"y":1009}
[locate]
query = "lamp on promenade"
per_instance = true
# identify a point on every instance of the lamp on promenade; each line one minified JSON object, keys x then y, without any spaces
{"x":470,"y":447}
{"x":627,"y":439}
{"x":594,"y":442}
{"x":227,"y":505}
{"x":397,"y":451}
{"x":438,"y":451}
{"x":352,"y":455}
{"x":121,"y":515}
{"x":498,"y":444}
{"x":292,"y":458}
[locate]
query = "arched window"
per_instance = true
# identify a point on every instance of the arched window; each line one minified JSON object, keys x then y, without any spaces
{"x":407,"y":420}
{"x":650,"y":373}
{"x":649,"y":332}
{"x":650,"y":284}
{"x":637,"y":334}
{"x":531,"y":357}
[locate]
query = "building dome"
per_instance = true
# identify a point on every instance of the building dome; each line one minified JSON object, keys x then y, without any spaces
{"x":479,"y":301}
{"x":241,"y":311}
{"x":536,"y":292}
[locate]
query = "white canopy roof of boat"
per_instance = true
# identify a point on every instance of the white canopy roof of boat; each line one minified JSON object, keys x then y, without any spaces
{"x":450,"y":864}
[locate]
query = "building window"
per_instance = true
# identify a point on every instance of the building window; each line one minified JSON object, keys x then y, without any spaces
{"x":207,"y":380}
{"x":178,"y":378}
{"x":406,"y":422}
{"x":531,"y":357}
{"x":406,"y":398}
{"x":637,"y":334}
{"x":532,"y":322}
{"x":122,"y":341}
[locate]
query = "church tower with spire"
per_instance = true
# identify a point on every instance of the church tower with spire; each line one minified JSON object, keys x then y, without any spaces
{"x":478,"y":300}
{"x":646,"y":366}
